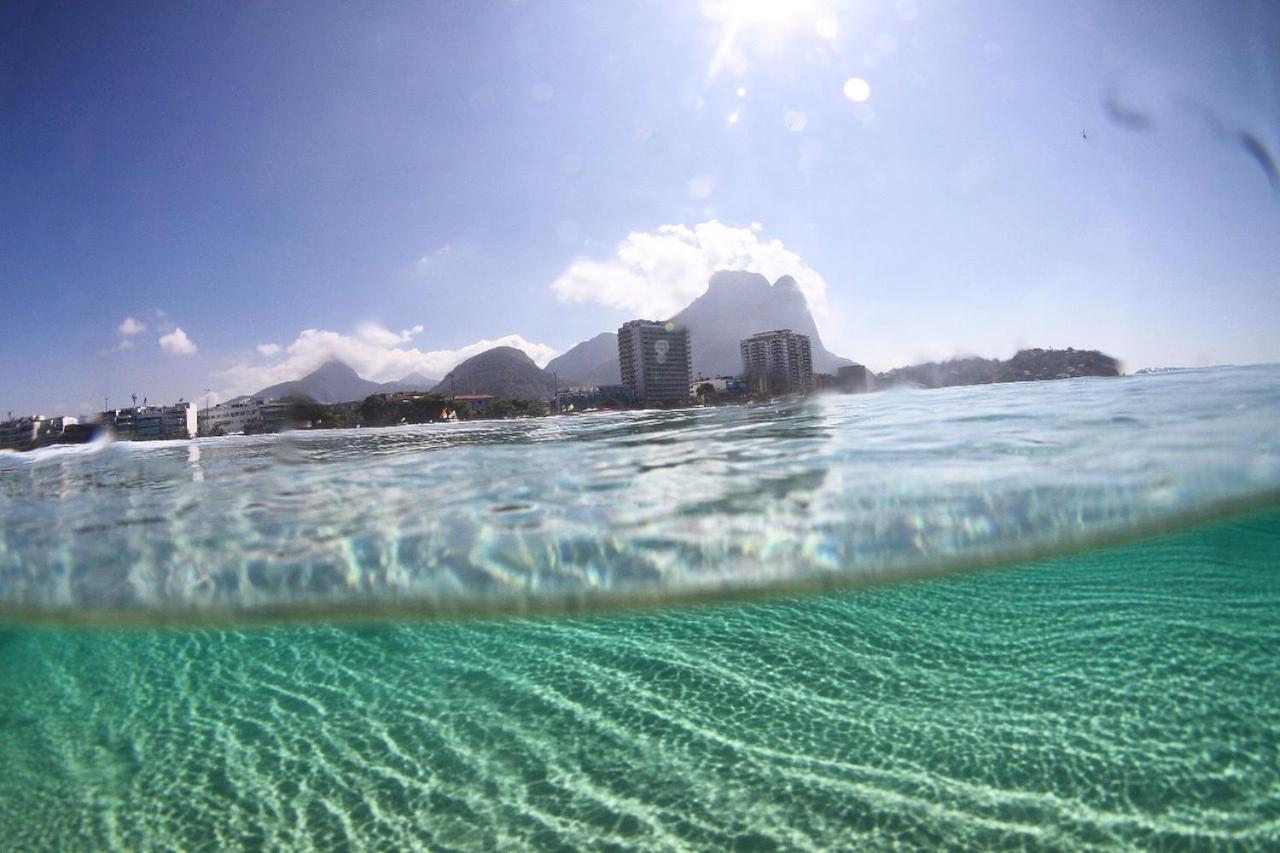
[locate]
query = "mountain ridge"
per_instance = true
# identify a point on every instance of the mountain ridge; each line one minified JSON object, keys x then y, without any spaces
{"x":337,"y":382}
{"x":736,"y":305}
{"x":1027,"y":365}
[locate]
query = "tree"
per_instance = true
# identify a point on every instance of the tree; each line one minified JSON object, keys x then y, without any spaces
{"x":306,"y":413}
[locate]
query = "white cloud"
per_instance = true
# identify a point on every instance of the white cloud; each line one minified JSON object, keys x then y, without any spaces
{"x":375,"y":335}
{"x":177,"y":343}
{"x":655,"y":274}
{"x":269,"y":350}
{"x":433,"y":259}
{"x":373,"y":351}
{"x":130,"y":326}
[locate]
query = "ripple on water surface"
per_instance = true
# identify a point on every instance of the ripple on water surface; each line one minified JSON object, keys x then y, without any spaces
{"x":616,"y":509}
{"x":1113,"y":698}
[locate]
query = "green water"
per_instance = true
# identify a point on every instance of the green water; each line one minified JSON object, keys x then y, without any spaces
{"x":1128,"y":697}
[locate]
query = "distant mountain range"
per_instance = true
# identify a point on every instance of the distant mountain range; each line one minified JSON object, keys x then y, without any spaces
{"x":499,"y":372}
{"x":1027,"y":365}
{"x":736,"y":305}
{"x":335,"y":382}
{"x":593,"y":362}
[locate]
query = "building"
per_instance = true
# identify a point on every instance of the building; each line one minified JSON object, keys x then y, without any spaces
{"x":152,"y":423}
{"x":728,"y":386}
{"x":33,"y":431}
{"x":583,"y":397}
{"x":825,"y":382}
{"x":165,"y":422}
{"x":852,"y":378}
{"x":656,"y":361}
{"x":777,"y":362}
{"x":244,"y":415}
{"x":478,"y":403}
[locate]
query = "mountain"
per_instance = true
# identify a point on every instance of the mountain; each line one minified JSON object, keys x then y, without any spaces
{"x":413,"y":382}
{"x":735,"y":305}
{"x":593,"y":362}
{"x":500,"y":372}
{"x":335,"y":382}
{"x":1027,"y":365}
{"x":331,"y":382}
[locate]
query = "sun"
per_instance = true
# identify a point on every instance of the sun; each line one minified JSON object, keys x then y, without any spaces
{"x":763,"y":23}
{"x":767,"y":15}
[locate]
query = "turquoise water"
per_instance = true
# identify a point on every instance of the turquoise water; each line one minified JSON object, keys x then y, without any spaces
{"x":1114,"y":698}
{"x":1111,"y":679}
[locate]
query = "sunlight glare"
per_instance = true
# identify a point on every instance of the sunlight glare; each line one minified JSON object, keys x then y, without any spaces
{"x":762,"y":24}
{"x":761,"y":14}
{"x":857,"y":90}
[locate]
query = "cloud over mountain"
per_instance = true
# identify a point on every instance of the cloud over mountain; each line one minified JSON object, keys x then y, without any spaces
{"x":375,"y":352}
{"x":656,"y":273}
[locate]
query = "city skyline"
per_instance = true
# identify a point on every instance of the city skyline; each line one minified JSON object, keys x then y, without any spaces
{"x":201,"y":200}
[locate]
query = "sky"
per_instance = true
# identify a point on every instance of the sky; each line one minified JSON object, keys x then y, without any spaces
{"x":198,"y":200}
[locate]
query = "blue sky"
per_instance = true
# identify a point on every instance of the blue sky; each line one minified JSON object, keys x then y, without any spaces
{"x":221,"y":195}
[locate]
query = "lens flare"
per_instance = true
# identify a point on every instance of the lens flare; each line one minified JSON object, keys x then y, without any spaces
{"x":857,"y":90}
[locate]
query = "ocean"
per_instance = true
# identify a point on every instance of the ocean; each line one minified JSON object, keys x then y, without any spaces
{"x":1019,"y":616}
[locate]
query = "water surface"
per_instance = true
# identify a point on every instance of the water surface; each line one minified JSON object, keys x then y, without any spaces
{"x":613,"y":510}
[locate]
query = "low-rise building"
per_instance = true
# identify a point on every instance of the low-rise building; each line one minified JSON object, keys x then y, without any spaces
{"x":726,"y":385}
{"x":474,"y":402}
{"x":243,"y":415}
{"x":166,"y":422}
{"x":152,"y":423}
{"x":852,"y":378}
{"x":581,"y":397}
{"x":25,"y":433}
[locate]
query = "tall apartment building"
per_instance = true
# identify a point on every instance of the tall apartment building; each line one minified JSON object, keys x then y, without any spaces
{"x":656,"y":361}
{"x":777,"y":362}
